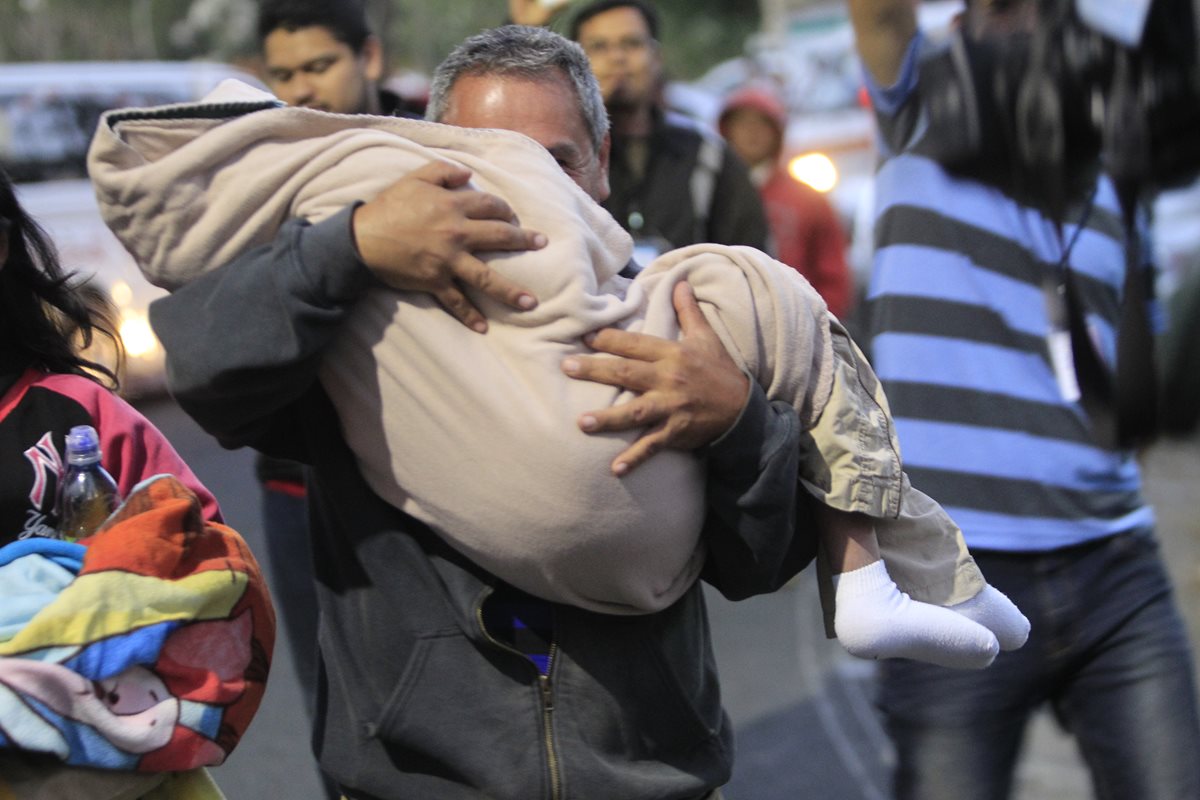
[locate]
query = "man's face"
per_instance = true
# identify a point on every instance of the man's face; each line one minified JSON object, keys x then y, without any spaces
{"x":310,"y":68}
{"x":623,"y":56}
{"x":546,"y":111}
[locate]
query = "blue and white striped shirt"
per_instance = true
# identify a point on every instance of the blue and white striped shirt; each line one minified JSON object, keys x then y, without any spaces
{"x":959,"y":328}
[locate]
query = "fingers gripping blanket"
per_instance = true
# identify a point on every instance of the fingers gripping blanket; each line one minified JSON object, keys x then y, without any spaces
{"x":144,"y":647}
{"x":476,"y":435}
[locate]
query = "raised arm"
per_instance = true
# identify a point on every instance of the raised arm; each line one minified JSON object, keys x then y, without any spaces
{"x":534,"y":12}
{"x":882,"y":32}
{"x":244,"y":341}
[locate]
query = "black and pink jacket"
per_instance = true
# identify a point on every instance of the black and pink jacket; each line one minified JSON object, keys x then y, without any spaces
{"x":36,"y":411}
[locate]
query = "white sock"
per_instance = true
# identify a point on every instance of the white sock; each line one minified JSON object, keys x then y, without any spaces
{"x":992,"y":609}
{"x":874,"y":619}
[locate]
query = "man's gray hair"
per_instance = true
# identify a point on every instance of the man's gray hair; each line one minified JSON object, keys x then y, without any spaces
{"x":524,"y":52}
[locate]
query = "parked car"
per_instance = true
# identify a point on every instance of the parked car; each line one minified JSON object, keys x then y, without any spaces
{"x":48,"y":113}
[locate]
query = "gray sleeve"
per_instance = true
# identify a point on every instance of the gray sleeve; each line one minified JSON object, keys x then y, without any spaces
{"x":760,"y":529}
{"x":243,"y":342}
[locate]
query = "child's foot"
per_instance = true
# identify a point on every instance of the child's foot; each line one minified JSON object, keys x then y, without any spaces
{"x":874,"y":619}
{"x":992,"y":609}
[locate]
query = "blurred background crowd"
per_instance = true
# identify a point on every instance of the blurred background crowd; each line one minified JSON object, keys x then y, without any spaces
{"x":779,"y":79}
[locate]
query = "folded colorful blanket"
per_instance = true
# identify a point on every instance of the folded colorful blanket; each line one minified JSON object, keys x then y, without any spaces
{"x":154,"y":657}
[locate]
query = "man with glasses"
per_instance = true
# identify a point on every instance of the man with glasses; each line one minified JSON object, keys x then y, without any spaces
{"x":673,"y":182}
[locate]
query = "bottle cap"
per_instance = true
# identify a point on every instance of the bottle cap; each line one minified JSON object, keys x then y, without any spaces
{"x":83,"y":445}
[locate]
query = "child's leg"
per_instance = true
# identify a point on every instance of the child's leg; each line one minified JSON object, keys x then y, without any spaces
{"x":992,"y":609}
{"x":951,"y":579}
{"x":874,"y":619}
{"x":922,"y":548}
{"x":850,"y":460}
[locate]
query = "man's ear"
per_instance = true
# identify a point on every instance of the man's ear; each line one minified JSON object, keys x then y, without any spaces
{"x":372,"y":56}
{"x":603,"y":157}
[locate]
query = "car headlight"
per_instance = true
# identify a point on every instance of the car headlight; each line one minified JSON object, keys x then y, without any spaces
{"x":815,"y":169}
{"x":137,"y":335}
{"x":121,"y":294}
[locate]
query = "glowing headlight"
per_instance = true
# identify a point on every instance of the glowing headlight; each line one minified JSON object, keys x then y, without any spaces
{"x":137,"y":335}
{"x":815,"y":169}
{"x":121,"y":294}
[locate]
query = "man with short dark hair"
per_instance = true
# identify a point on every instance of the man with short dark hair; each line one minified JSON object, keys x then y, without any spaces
{"x":322,"y":54}
{"x":318,"y":54}
{"x":674,"y":182}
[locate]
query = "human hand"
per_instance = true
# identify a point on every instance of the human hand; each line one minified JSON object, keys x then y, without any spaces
{"x":534,"y":12}
{"x":422,"y":233}
{"x":690,"y":391}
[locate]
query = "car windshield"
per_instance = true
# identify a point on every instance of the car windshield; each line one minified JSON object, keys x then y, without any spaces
{"x":45,"y":133}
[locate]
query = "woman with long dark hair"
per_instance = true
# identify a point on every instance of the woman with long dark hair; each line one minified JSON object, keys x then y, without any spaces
{"x":48,"y":318}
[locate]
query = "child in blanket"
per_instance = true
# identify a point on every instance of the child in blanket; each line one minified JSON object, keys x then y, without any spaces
{"x":234,"y":168}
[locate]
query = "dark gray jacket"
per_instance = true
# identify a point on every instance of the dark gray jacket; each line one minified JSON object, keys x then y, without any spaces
{"x":695,"y":189}
{"x":416,"y":699}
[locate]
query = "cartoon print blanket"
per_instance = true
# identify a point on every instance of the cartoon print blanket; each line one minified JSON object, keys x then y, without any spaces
{"x":144,"y":647}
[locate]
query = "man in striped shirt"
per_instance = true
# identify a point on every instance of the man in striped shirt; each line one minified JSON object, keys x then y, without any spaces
{"x":985,"y":400}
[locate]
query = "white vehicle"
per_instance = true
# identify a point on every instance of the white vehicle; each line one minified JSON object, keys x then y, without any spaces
{"x":48,"y":113}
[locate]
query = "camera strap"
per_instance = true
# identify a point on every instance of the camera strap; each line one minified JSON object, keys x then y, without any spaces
{"x":1121,"y":403}
{"x":1072,"y":352}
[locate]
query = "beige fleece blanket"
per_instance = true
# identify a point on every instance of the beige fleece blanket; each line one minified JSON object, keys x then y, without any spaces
{"x":476,"y":435}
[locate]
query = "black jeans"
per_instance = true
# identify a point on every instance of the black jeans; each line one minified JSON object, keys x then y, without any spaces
{"x":1107,"y":650}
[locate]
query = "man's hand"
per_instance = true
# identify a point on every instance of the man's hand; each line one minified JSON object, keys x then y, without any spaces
{"x":422,"y":233}
{"x":690,"y":392}
{"x":534,"y":12}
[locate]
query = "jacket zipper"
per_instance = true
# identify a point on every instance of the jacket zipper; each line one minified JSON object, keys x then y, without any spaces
{"x":548,"y":719}
{"x":546,"y":697}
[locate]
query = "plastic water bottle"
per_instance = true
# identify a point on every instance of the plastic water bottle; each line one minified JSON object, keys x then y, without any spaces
{"x":88,"y":494}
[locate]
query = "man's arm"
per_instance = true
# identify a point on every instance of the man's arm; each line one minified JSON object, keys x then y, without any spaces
{"x":759,"y":526}
{"x":422,"y":234}
{"x":883,"y":30}
{"x":690,"y":392}
{"x":244,"y":342}
{"x":534,"y":12}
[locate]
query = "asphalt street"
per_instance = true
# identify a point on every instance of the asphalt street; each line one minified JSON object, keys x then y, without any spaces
{"x":806,"y":725}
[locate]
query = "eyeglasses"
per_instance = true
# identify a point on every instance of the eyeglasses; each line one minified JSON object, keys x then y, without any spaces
{"x":626,"y":46}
